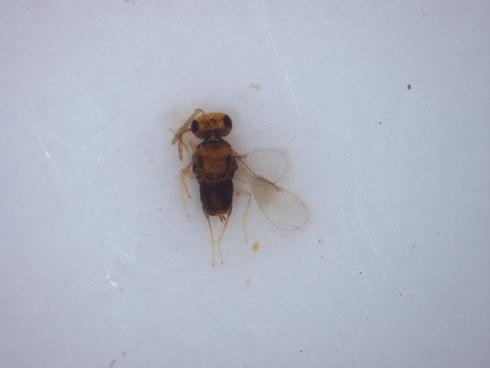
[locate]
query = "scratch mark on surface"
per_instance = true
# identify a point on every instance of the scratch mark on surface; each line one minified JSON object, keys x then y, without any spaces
{"x":135,"y":238}
{"x":134,"y":263}
{"x":326,"y":22}
{"x":142,"y":307}
{"x":280,"y":60}
{"x":233,"y":353}
{"x":199,"y":339}
{"x":118,"y":250}
{"x":58,"y":139}
{"x":95,"y":282}
{"x":285,"y":73}
{"x":51,"y":162}
{"x":41,"y":144}
{"x":366,"y":232}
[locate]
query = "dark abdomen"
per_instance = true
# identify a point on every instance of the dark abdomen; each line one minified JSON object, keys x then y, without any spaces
{"x":216,"y":198}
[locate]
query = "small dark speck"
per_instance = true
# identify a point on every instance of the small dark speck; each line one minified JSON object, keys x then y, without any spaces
{"x":484,"y":123}
{"x":123,"y":354}
{"x":321,"y":241}
{"x":409,"y":86}
{"x":360,"y":272}
{"x":113,"y":362}
{"x":300,"y":350}
{"x":176,"y":250}
{"x":255,"y":86}
{"x":400,"y":294}
{"x":380,"y":122}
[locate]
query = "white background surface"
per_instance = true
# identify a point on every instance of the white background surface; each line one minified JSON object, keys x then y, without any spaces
{"x":100,"y":267}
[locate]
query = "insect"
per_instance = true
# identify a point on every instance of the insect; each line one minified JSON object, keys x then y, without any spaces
{"x":217,"y":168}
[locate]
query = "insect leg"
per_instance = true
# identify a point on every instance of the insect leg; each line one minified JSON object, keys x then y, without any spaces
{"x":178,"y":136}
{"x":222,"y":233}
{"x":245,"y":213}
{"x":184,"y":191}
{"x":212,"y":239}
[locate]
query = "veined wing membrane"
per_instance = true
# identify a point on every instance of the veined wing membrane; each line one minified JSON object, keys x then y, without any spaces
{"x":268,"y":164}
{"x":281,"y":207}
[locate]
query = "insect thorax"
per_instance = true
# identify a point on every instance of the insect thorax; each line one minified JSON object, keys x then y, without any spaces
{"x":214,"y":161}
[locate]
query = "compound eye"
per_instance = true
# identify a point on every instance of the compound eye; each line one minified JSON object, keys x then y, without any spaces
{"x":194,"y":126}
{"x":227,"y":121}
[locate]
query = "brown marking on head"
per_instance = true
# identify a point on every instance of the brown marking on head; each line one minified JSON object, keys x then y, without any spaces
{"x":214,"y":124}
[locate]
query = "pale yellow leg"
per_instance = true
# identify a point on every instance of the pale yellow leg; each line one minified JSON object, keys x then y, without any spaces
{"x":212,"y":240}
{"x":245,"y":213}
{"x":227,"y":218}
{"x":184,"y":191}
{"x":178,"y":136}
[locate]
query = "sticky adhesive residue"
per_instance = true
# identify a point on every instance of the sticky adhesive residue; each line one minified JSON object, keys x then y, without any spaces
{"x":256,"y":246}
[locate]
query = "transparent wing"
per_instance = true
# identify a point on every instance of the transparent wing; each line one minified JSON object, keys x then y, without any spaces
{"x":268,"y":164}
{"x":281,"y":207}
